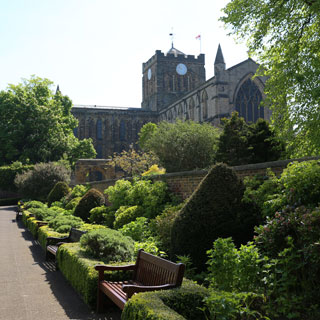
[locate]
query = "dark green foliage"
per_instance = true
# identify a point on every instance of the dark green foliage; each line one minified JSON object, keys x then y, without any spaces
{"x":63,"y":223}
{"x":60,"y":190}
{"x":162,"y":226}
{"x":108,"y":244}
{"x":214,"y":210}
{"x":102,"y":215}
{"x":137,"y":230}
{"x":8,"y":174}
{"x":222,"y":305}
{"x":241,"y":143}
{"x":182,"y":303}
{"x":78,"y":191}
{"x":93,"y":198}
{"x":37,"y":183}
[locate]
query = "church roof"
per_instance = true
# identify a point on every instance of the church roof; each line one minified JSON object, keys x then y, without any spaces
{"x":175,"y":51}
{"x":219,"y":56}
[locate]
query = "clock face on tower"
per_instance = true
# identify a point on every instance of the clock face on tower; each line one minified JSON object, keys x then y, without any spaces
{"x":181,"y":69}
{"x":149,"y":74}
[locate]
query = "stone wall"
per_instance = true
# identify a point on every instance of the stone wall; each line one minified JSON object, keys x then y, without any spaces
{"x":184,"y":183}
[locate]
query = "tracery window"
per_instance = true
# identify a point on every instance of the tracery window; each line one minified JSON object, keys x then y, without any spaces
{"x":191,"y":109}
{"x":204,"y":102}
{"x":122,"y":130}
{"x":248,"y":101}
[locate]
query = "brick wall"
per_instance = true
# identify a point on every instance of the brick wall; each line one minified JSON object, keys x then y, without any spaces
{"x":184,"y":183}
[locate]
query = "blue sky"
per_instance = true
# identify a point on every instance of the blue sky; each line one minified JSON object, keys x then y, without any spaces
{"x":94,"y":49}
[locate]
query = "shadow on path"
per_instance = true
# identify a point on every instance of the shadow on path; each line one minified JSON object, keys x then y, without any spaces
{"x":67,"y":297}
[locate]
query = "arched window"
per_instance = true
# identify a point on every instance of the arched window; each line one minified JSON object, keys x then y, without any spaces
{"x":75,"y":132}
{"x":99,"y":129}
{"x":191,"y":109}
{"x":99,"y":151}
{"x":180,"y":112}
{"x":122,"y":130}
{"x":204,"y":103}
{"x":91,"y":128}
{"x":248,"y":100}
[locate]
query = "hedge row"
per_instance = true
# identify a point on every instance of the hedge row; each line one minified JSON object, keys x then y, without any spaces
{"x":78,"y":269}
{"x":8,"y":174}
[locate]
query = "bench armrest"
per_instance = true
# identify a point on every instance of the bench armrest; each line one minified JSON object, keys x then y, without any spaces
{"x":103,"y":267}
{"x":131,"y":289}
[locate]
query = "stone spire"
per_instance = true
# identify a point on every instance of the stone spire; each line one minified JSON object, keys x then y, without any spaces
{"x":219,"y":64}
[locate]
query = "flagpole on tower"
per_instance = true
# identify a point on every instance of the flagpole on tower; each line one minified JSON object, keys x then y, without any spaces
{"x":172,"y":36}
{"x":198,"y":37}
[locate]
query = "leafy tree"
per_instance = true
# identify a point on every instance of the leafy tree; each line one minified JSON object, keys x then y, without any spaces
{"x":181,"y":146}
{"x":36,"y":125}
{"x":233,"y":143}
{"x":284,"y":36}
{"x":242,"y":143}
{"x":133,"y":162}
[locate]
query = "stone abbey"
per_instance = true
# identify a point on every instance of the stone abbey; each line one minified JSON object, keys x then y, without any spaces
{"x":174,"y":87}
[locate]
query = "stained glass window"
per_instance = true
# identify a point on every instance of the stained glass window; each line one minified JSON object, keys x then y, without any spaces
{"x":248,"y":101}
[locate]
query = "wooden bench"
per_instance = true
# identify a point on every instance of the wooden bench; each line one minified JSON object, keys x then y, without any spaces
{"x":53,"y":243}
{"x":149,"y":273}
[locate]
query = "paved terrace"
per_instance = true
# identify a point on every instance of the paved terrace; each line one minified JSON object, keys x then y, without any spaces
{"x":30,"y":288}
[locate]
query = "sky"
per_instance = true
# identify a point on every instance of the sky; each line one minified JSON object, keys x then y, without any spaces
{"x":94,"y":49}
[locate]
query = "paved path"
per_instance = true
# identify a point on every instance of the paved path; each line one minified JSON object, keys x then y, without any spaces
{"x":29,"y":287}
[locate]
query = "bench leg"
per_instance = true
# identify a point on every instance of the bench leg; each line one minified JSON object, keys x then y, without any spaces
{"x":99,"y":301}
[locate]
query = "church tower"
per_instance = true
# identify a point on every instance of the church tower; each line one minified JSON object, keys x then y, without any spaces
{"x":168,"y":77}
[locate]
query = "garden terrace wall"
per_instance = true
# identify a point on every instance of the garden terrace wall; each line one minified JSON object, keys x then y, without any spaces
{"x":184,"y":183}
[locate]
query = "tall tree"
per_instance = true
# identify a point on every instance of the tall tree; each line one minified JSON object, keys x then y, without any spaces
{"x":36,"y":125}
{"x":284,"y":36}
{"x":181,"y":146}
{"x":242,"y":143}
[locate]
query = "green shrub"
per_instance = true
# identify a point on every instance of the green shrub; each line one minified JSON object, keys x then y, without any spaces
{"x":92,"y":199}
{"x":151,"y":197}
{"x":125,"y":215}
{"x":63,"y":223}
{"x":79,"y":271}
{"x":102,"y":215}
{"x":34,"y":204}
{"x":138,"y":229}
{"x":214,"y":210}
{"x":72,"y":203}
{"x":222,"y":305}
{"x":232,"y":269}
{"x":109,"y":244}
{"x":162,"y":226}
{"x":43,"y":214}
{"x":181,"y":303}
{"x":37,"y":183}
{"x":45,"y":232}
{"x":8,"y":174}
{"x":78,"y":191}
{"x":60,"y":190}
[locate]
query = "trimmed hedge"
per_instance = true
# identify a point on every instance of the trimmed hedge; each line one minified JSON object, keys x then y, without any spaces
{"x":176,"y":304}
{"x":79,"y":271}
{"x":60,"y":190}
{"x":45,"y":232}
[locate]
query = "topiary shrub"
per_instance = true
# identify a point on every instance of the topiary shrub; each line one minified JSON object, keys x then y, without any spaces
{"x":102,"y":215}
{"x":109,"y":244}
{"x":78,"y":191}
{"x":37,"y":183}
{"x":211,"y":212}
{"x":72,"y":203}
{"x":60,"y":190}
{"x":93,"y":198}
{"x":125,"y":215}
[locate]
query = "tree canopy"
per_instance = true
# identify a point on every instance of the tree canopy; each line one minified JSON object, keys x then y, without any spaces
{"x":284,"y":36}
{"x":181,"y":146}
{"x":36,"y":125}
{"x":242,"y":143}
